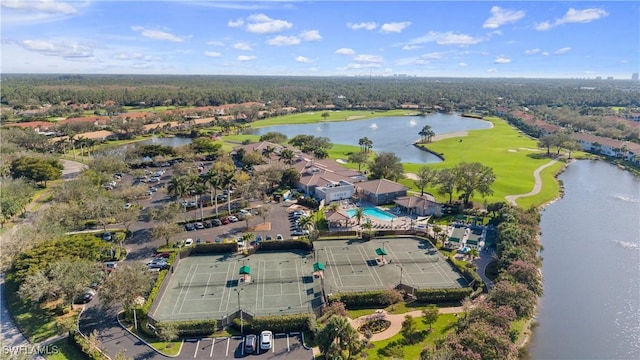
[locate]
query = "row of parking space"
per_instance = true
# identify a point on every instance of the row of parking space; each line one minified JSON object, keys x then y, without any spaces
{"x":284,"y":346}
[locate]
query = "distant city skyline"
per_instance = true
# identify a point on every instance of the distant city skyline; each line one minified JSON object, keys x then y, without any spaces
{"x":544,"y":39}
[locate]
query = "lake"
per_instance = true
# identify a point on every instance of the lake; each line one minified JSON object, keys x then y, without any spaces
{"x":390,"y":134}
{"x":591,"y":238}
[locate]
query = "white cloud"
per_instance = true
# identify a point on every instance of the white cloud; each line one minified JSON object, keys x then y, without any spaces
{"x":411,"y":47}
{"x":447,"y":38}
{"x":311,"y":35}
{"x":574,"y":16}
{"x":212,"y":54}
{"x":462,"y":64}
{"x":345,"y":51}
{"x":57,"y":48}
{"x":395,"y":27}
{"x":282,"y":40}
{"x":370,"y":25}
{"x":304,"y":60}
{"x":363,"y":66}
{"x":545,"y":53}
{"x":433,"y":56}
{"x":215,"y":43}
{"x":501,"y":60}
{"x":624,"y":61}
{"x":492,"y":70}
{"x":531,"y":51}
{"x":500,"y":16}
{"x":363,"y":58}
{"x":235,"y":23}
{"x":561,"y":51}
{"x":246,"y":58}
{"x":48,"y":7}
{"x":136,"y":56}
{"x":262,"y":24}
{"x":314,"y":69}
{"x":157,"y":34}
{"x":241,"y":45}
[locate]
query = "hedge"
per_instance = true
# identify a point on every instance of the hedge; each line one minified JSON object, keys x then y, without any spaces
{"x":283,"y":323}
{"x":371,"y":298}
{"x":443,"y":295}
{"x":292,"y":244}
{"x":213,"y":248}
{"x":469,"y":274}
{"x":191,"y":328}
{"x":154,"y":291}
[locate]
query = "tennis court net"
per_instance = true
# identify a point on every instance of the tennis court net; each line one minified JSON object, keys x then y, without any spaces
{"x":374,"y":262}
{"x":237,"y":282}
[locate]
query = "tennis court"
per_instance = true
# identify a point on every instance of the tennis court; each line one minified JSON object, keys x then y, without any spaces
{"x":357,"y":266}
{"x":212,"y":287}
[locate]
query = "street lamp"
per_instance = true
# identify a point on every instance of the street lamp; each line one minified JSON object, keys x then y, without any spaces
{"x":240,"y":310}
{"x":401,"y":271}
{"x":384,"y":242}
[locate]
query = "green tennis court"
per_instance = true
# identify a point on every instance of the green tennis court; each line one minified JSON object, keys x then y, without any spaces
{"x":213,"y":286}
{"x":383,"y":264}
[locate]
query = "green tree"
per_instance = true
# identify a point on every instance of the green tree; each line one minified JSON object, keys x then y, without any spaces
{"x":338,"y":339}
{"x":430,"y":315}
{"x":426,"y":176}
{"x":474,"y":177}
{"x":16,"y":195}
{"x":365,"y":144}
{"x":386,"y":165}
{"x":125,"y":284}
{"x":35,"y":169}
{"x":358,"y":158}
{"x":426,"y":133}
{"x":168,"y":331}
{"x":446,"y":181}
{"x":290,"y":178}
{"x":268,"y":151}
{"x":410,"y":330}
{"x":165,"y":231}
{"x":359,"y":214}
{"x":288,"y":156}
{"x":325,"y":115}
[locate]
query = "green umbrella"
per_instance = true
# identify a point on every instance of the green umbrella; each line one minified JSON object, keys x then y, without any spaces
{"x":245,"y":270}
{"x":381,"y":251}
{"x":318,"y":266}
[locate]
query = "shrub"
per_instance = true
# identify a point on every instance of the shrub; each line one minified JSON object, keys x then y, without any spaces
{"x":435,"y":296}
{"x":292,"y":244}
{"x":190,"y":328}
{"x":283,"y":323}
{"x":222,"y":248}
{"x":365,"y":299}
{"x":154,"y":291}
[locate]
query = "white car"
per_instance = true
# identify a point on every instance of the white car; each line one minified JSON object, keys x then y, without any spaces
{"x":127,"y":206}
{"x":188,"y":242}
{"x":232,"y":219}
{"x":279,"y":237}
{"x":266,"y":340}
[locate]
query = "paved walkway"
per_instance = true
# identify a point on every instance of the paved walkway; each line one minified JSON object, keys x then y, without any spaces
{"x":536,"y":187}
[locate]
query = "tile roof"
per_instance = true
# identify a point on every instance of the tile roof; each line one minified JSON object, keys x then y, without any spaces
{"x":381,"y":186}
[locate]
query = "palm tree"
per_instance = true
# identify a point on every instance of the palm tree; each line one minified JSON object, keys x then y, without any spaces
{"x":178,"y":187}
{"x":227,"y":181}
{"x":211,"y":178}
{"x":359,"y":214}
{"x":306,"y":223}
{"x":267,"y":151}
{"x":426,"y":132}
{"x":288,"y":156}
{"x":473,"y":253}
{"x":365,"y":143}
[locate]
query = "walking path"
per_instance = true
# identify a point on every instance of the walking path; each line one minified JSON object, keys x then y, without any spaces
{"x":396,"y":321}
{"x":536,"y":187}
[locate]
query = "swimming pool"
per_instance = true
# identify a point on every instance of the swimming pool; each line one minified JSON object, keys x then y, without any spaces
{"x":373,"y":212}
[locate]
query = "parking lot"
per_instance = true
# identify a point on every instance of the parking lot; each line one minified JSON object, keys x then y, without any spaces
{"x":285,"y":346}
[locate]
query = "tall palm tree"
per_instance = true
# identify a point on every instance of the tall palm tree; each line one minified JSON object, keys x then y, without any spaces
{"x":177,"y":187}
{"x":359,"y":214}
{"x":426,"y":132}
{"x":306,"y":223}
{"x":213,"y":178}
{"x":227,"y":181}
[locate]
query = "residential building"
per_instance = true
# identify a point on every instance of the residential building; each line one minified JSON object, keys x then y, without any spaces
{"x":381,"y":191}
{"x":420,"y":205}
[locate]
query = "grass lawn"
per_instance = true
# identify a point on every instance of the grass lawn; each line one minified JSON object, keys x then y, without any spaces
{"x":66,"y":351}
{"x":512,"y":155}
{"x":168,"y":348}
{"x":310,"y":117}
{"x":445,"y":323}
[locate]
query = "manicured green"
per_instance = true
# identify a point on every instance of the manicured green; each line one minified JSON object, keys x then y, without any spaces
{"x":512,"y":155}
{"x":171,"y":348}
{"x":63,"y":350}
{"x":445,"y":324}
{"x":310,"y":117}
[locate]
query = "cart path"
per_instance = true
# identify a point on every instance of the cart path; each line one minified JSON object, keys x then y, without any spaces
{"x":536,"y":187}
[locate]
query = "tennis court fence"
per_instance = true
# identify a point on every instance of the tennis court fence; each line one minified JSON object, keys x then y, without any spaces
{"x":374,"y":262}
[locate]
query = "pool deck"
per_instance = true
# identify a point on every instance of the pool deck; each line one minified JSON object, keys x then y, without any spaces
{"x":399,"y":222}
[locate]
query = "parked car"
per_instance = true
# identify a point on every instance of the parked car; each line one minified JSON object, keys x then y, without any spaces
{"x":164,"y":255}
{"x":225,"y":221}
{"x":279,"y":237}
{"x":268,"y":238}
{"x":188,"y":242}
{"x":259,"y":238}
{"x":250,"y":343}
{"x":127,"y":206}
{"x":109,"y":266}
{"x":232,"y":219}
{"x":207,"y":224}
{"x":244,"y":212}
{"x":107,"y":236}
{"x":83,"y":298}
{"x":216,"y":222}
{"x":299,"y":232}
{"x":199,"y":225}
{"x":241,"y":245}
{"x":154,"y":179}
{"x":158,"y":263}
{"x":266,"y":340}
{"x":189,"y":227}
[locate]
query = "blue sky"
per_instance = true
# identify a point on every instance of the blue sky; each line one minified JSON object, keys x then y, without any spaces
{"x":545,"y":39}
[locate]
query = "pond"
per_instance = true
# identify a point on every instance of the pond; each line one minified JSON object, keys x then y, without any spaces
{"x":390,"y":134}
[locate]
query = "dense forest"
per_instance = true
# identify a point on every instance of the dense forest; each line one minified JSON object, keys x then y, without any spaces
{"x":29,"y":91}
